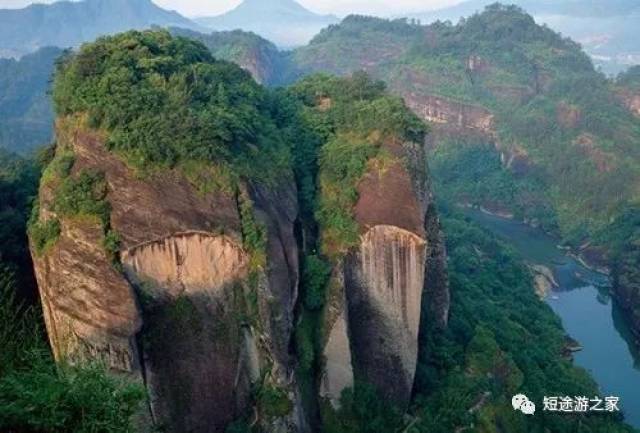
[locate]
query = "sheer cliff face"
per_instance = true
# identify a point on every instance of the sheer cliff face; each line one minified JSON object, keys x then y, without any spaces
{"x":89,"y":307}
{"x":630,"y":98}
{"x":383,"y":288}
{"x":450,"y":115}
{"x":186,"y":312}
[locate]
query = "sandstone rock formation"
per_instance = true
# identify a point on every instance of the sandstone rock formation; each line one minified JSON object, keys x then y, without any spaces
{"x":462,"y":121}
{"x":455,"y":116}
{"x":382,"y":289}
{"x":631,"y":100}
{"x":188,"y":313}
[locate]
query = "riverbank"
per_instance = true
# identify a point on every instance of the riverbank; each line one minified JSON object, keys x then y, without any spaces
{"x":586,"y":309}
{"x":591,"y":258}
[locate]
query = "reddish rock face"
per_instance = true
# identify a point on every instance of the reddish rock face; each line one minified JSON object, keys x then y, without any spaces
{"x":89,"y":308}
{"x":186,"y":315}
{"x":603,"y":161}
{"x":568,"y":115}
{"x":452,"y":115}
{"x":377,"y":290}
{"x":631,"y":100}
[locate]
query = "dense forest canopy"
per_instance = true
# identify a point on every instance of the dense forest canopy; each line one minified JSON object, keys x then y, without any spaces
{"x":166,"y":101}
{"x":501,"y":338}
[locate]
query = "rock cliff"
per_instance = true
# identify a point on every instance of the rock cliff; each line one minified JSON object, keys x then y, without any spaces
{"x":377,"y":290}
{"x":630,"y":99}
{"x":185,"y":311}
{"x":168,"y":236}
{"x":456,"y":117}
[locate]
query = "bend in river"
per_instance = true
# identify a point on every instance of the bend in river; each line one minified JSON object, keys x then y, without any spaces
{"x":587,"y":311}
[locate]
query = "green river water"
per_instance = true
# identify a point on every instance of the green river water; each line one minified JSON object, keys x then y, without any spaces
{"x":587,"y":311}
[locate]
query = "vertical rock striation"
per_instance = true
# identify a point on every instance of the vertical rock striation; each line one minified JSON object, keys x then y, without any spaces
{"x":385,"y":281}
{"x":188,"y":313}
{"x":385,"y":287}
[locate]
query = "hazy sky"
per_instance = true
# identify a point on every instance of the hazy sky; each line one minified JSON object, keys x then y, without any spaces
{"x":338,"y":7}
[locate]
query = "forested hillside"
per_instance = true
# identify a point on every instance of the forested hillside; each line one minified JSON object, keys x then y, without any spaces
{"x":541,"y":92}
{"x":257,"y":55}
{"x":25,"y":109}
{"x":468,"y":374}
{"x":606,"y":29}
{"x":524,"y":124}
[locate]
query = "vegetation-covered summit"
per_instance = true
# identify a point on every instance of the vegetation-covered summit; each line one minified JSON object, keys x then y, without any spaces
{"x":349,"y":120}
{"x":166,"y":100}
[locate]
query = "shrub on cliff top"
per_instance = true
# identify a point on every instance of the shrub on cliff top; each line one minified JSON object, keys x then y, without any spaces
{"x":44,"y":235}
{"x":350,"y":118}
{"x":356,"y":105}
{"x":83,"y":195}
{"x":165,"y":100}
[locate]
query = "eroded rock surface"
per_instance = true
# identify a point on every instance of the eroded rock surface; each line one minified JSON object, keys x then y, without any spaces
{"x":384,"y":282}
{"x":384,"y":288}
{"x":631,"y":100}
{"x":89,"y":307}
{"x":187,"y":262}
{"x":337,"y":374}
{"x":453,"y":114}
{"x":187,"y":314}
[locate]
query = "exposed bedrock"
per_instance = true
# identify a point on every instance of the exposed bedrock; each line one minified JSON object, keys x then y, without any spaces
{"x":89,"y":308}
{"x":382,"y":290}
{"x":384,"y":282}
{"x":188,"y":313}
{"x":452,"y":115}
{"x":630,"y":99}
{"x":467,"y":122}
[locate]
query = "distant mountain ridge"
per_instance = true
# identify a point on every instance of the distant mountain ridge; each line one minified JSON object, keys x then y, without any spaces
{"x":266,"y":19}
{"x":575,"y":8}
{"x":251,"y":52}
{"x":25,"y":107}
{"x":68,"y":24}
{"x":607,"y":29}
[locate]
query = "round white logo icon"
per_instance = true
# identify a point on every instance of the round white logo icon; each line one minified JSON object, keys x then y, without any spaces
{"x":523,"y":404}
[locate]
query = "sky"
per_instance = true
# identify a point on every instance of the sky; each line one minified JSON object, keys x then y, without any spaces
{"x":193,"y":8}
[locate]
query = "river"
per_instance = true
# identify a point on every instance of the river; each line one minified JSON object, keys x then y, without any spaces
{"x":586,"y":309}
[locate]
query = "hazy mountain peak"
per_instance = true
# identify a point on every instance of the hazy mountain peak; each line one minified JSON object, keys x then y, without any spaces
{"x":266,"y":18}
{"x":273,"y":4}
{"x":68,"y":24}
